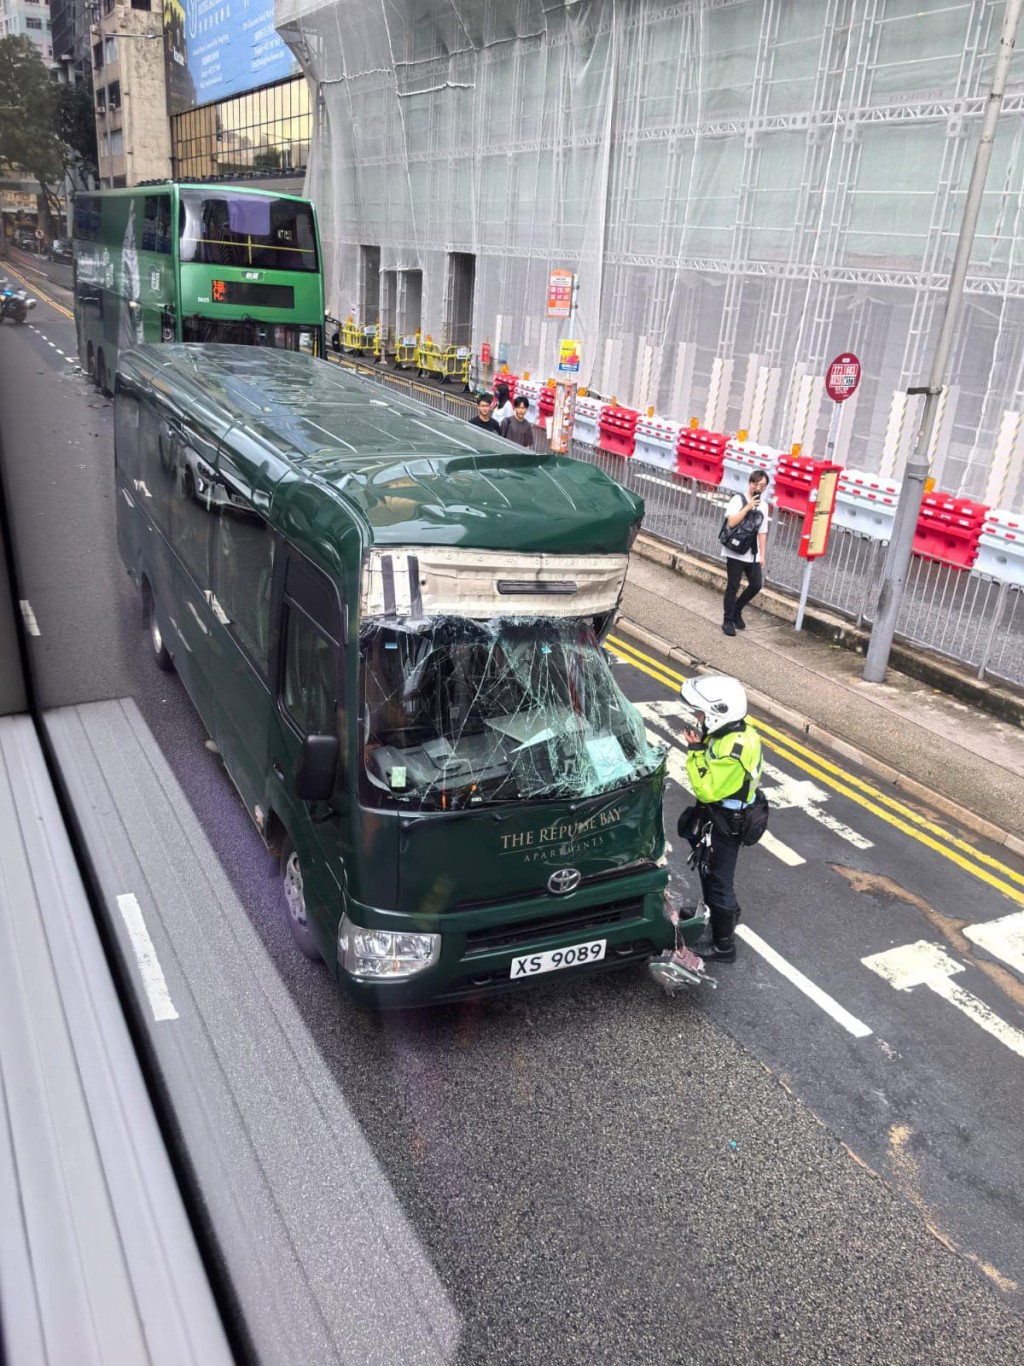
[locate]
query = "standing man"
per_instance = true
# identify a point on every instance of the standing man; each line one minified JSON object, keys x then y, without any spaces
{"x":483,"y":415}
{"x":746,"y":519}
{"x":518,"y":428}
{"x":723,"y":766}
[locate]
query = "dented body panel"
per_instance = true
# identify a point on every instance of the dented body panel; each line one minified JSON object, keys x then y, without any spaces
{"x":435,"y":599}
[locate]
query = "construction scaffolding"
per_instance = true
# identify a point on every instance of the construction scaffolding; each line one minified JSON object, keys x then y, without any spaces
{"x":744,"y":188}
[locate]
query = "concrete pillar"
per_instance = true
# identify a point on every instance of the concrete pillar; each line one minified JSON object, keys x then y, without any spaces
{"x":682,"y":382}
{"x":900,"y":432}
{"x":718,"y":394}
{"x":761,"y":419}
{"x":942,"y":433}
{"x":1007,"y":466}
{"x":803,"y":417}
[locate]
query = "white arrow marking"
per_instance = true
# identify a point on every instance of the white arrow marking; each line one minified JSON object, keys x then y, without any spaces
{"x":1003,"y":939}
{"x":926,"y":965}
{"x":677,"y":772}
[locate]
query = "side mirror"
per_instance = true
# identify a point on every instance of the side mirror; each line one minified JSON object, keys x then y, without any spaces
{"x":318,"y":768}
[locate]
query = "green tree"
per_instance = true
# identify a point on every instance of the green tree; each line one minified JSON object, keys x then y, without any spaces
{"x":77,"y":115}
{"x":29,"y":118}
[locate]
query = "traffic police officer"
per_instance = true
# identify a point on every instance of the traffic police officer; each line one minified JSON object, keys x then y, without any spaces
{"x":723,"y":765}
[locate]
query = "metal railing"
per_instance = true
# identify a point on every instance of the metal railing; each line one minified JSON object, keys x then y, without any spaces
{"x":970,"y":618}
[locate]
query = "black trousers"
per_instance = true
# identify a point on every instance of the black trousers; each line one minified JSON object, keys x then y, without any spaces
{"x":734,"y":570}
{"x":717,"y":883}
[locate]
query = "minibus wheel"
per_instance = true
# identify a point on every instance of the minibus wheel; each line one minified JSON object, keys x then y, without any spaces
{"x":295,"y":900}
{"x":160,"y":651}
{"x":101,"y":372}
{"x":90,"y":361}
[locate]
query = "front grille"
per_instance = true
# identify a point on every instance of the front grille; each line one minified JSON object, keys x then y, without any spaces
{"x":582,"y":918}
{"x":628,"y":870}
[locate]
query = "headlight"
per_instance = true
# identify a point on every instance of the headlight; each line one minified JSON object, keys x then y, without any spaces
{"x":385,"y":954}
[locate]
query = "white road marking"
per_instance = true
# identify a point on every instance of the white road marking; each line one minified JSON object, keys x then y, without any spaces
{"x":800,"y":794}
{"x":152,"y":973}
{"x":50,"y":343}
{"x":676,"y":767}
{"x":831,"y":1007}
{"x":59,"y":351}
{"x":1003,"y":939}
{"x":29,"y":618}
{"x":926,"y":965}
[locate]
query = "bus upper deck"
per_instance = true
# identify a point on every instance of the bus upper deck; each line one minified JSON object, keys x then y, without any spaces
{"x":201,"y":263}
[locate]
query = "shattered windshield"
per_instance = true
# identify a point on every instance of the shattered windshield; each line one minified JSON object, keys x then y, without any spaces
{"x":458,"y":713}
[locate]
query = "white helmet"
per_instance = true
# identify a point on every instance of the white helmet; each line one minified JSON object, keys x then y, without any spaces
{"x":720,"y":698}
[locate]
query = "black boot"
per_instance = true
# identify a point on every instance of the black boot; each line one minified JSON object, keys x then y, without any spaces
{"x":718,"y":951}
{"x":722,"y":948}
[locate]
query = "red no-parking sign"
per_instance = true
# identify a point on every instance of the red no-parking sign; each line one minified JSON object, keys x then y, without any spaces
{"x":842,"y":377}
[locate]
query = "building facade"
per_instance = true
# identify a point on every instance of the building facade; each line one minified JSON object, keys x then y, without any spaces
{"x":31,"y":18}
{"x":238,"y":105}
{"x":132,"y":133}
{"x":744,"y":188}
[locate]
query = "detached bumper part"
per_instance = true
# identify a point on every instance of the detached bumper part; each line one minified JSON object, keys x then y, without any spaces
{"x":385,"y":955}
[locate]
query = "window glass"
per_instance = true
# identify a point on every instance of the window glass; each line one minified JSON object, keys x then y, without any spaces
{"x":224,"y":229}
{"x":126,"y":435}
{"x":189,"y":506}
{"x":309,"y":686}
{"x":156,"y":223}
{"x":243,"y":573}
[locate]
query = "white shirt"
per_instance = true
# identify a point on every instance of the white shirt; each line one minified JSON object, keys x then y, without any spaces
{"x":506,"y":410}
{"x":736,"y":503}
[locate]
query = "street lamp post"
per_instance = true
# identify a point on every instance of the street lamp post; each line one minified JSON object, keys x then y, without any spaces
{"x":897,"y":560}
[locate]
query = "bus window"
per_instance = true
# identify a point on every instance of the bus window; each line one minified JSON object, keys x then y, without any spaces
{"x":156,"y":223}
{"x":126,"y":436}
{"x":190,"y":519}
{"x":309,"y":687}
{"x":243,"y":573}
{"x":219,"y":228}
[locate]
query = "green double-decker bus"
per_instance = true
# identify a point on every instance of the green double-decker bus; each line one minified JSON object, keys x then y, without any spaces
{"x":194,"y":263}
{"x":390,"y":624}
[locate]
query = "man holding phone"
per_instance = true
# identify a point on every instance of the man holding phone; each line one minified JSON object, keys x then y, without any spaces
{"x":748,"y":517}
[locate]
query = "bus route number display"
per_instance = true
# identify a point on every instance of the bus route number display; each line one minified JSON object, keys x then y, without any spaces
{"x":240,"y":292}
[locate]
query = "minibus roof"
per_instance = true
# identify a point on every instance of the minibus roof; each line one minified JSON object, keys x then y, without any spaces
{"x":287,"y":423}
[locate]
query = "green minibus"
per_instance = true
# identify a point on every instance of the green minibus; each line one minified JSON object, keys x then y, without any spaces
{"x":390,"y":623}
{"x":203,"y":263}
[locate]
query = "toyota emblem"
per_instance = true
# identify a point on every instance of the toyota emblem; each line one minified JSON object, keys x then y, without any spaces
{"x":565,"y":880}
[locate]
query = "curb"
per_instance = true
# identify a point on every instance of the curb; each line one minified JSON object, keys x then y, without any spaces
{"x":996,"y":699}
{"x":805,"y":726}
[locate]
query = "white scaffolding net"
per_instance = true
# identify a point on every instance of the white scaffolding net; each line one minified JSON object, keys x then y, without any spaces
{"x":744,"y":187}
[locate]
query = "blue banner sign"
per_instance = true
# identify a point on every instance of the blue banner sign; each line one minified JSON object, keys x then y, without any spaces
{"x":218,"y":48}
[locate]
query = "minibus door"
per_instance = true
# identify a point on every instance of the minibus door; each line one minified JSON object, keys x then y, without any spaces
{"x":310,"y":702}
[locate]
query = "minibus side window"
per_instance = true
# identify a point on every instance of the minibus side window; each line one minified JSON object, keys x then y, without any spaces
{"x":309,"y":683}
{"x":190,"y":518}
{"x":243,"y":573}
{"x":126,"y":435}
{"x":155,"y":466}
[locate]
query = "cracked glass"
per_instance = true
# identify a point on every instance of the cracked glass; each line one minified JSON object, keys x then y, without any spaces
{"x":460,"y":713}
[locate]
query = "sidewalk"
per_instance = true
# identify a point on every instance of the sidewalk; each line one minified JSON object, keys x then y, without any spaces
{"x":927,"y":744}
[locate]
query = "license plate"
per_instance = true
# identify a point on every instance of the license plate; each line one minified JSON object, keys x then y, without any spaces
{"x":573,"y":957}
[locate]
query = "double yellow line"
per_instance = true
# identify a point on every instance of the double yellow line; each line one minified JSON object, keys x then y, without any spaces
{"x":865,"y":794}
{"x":36,"y":290}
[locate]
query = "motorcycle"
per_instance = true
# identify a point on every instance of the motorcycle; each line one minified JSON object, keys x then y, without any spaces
{"x":14,"y":303}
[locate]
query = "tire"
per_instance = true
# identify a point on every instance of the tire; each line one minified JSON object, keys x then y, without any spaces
{"x":90,"y":361}
{"x":190,"y":485}
{"x":163,"y":657}
{"x":101,"y":373}
{"x":293,"y":902}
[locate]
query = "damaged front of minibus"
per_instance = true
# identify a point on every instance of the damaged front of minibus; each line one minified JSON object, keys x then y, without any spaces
{"x":516,"y":799}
